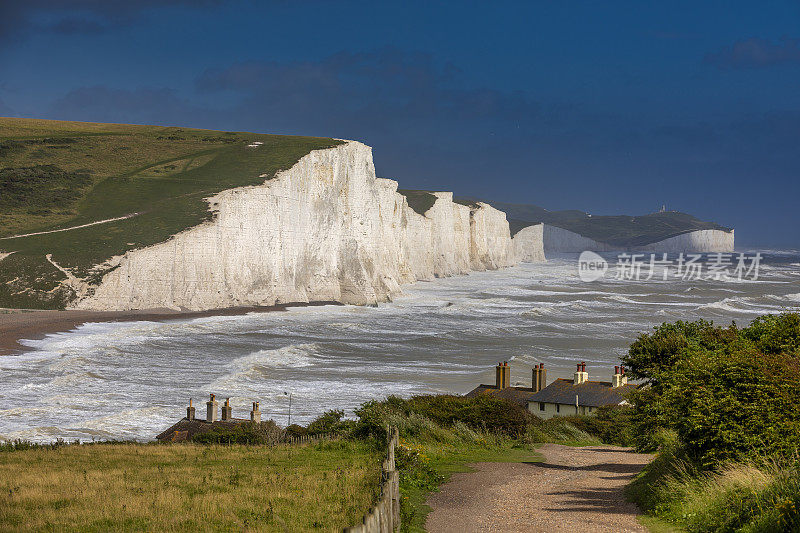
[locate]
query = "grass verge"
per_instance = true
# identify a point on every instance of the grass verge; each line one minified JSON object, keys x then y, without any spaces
{"x":746,"y":498}
{"x":188,"y":487}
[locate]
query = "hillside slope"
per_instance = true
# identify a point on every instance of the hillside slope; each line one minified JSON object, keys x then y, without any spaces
{"x":56,"y":175}
{"x":194,"y":219}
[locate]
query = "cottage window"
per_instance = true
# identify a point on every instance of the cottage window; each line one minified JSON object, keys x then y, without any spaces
{"x":558,"y":408}
{"x":541,"y":406}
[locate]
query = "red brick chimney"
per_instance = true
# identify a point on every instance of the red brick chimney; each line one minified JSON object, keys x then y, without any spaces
{"x":580,"y":375}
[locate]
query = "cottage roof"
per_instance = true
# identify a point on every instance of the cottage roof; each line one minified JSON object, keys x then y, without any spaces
{"x":518,"y":395}
{"x":185,"y":429}
{"x":589,"y":393}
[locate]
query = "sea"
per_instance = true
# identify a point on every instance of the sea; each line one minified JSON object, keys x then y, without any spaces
{"x":131,"y":380}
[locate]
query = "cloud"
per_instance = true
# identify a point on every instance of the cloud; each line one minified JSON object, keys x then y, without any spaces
{"x":19,"y":20}
{"x":143,"y":105}
{"x":756,"y":53}
{"x":384,"y":89}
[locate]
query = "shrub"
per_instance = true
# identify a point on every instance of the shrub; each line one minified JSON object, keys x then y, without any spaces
{"x":415,"y":469}
{"x":737,"y":497}
{"x":559,"y":431}
{"x":610,"y":424}
{"x":330,"y":422}
{"x":480,"y":412}
{"x":20,"y":445}
{"x":296,"y":430}
{"x":41,"y":187}
{"x":246,"y":433}
{"x":729,"y":397}
{"x":731,"y":394}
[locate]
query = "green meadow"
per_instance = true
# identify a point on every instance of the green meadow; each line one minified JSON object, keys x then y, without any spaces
{"x":56,"y":175}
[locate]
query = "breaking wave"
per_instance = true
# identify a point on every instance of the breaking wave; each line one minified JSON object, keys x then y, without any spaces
{"x":132,"y":379}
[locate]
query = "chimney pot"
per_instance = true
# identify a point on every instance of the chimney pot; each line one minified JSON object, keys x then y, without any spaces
{"x":211,"y":409}
{"x":226,"y":410}
{"x":255,"y":414}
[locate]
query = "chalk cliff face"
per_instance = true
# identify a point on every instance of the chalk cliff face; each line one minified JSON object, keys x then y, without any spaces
{"x":700,"y":241}
{"x":529,"y":244}
{"x":559,"y":240}
{"x":325,"y":230}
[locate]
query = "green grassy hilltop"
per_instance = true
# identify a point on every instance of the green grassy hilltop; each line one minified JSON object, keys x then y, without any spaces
{"x":56,"y":175}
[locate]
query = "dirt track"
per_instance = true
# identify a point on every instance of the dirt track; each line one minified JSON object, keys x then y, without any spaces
{"x":573,"y":489}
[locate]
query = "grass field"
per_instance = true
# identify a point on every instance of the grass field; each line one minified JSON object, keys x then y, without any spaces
{"x":187,"y":487}
{"x":56,"y":175}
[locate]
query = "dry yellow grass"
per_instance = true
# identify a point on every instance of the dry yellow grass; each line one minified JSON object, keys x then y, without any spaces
{"x":186,"y":487}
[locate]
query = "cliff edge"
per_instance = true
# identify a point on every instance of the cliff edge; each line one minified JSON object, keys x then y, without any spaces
{"x":324,"y":230}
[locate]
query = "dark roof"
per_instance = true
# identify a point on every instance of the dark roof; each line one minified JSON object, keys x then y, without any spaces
{"x":518,"y":395}
{"x":590,"y":393}
{"x":185,"y":429}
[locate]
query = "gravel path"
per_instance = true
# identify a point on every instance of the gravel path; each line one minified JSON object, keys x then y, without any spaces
{"x":573,"y":489}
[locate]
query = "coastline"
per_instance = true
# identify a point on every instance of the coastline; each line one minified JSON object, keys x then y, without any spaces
{"x":19,"y":324}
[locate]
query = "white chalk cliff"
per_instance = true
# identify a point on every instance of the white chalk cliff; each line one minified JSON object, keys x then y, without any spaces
{"x":529,"y":244}
{"x":325,"y":230}
{"x":699,"y":241}
{"x":534,"y":243}
{"x":559,"y":240}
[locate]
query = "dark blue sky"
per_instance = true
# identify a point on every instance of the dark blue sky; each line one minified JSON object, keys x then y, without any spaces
{"x":608,"y":107}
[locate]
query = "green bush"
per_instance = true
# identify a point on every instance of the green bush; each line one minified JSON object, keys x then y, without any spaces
{"x":330,"y":422}
{"x":483,"y":412}
{"x":20,"y":445}
{"x":41,"y":187}
{"x":726,"y":398}
{"x":742,"y":498}
{"x":611,"y":424}
{"x":296,"y":430}
{"x":415,"y":469}
{"x":247,"y":433}
{"x":559,"y":431}
{"x":731,"y":394}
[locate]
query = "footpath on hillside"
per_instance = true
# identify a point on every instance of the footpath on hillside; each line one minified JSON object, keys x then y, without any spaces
{"x":572,"y":489}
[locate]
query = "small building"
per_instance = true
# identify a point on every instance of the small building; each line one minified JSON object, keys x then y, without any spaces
{"x":502,"y":387}
{"x":190,"y":426}
{"x":562,"y":397}
{"x":579,"y":395}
